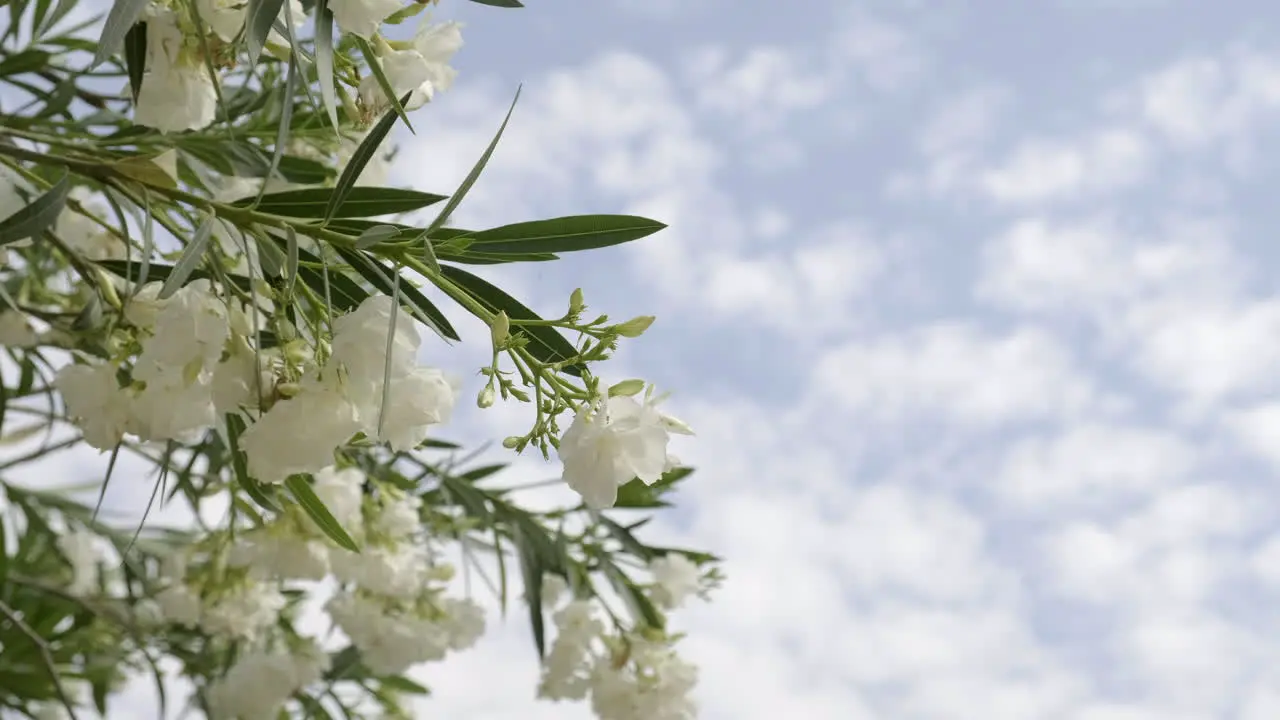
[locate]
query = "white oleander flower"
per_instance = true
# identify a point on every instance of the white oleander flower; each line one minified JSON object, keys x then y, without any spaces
{"x":299,"y":434}
{"x":81,"y":550}
{"x":224,"y":17}
{"x":608,"y":445}
{"x":96,"y":402}
{"x":363,"y":17}
{"x":676,"y":578}
{"x":437,"y":44}
{"x":177,"y":92}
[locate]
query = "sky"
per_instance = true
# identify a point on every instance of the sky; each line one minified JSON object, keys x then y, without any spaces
{"x":972,"y":308}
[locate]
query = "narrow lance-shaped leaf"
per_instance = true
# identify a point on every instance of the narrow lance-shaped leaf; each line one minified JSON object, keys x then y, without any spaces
{"x":545,"y":343}
{"x":360,"y":201}
{"x":500,"y":3}
{"x":565,"y":234}
{"x":531,"y":571}
{"x":190,"y":260}
{"x":286,"y":116}
{"x":467,"y":182}
{"x":38,"y":216}
{"x":315,"y":508}
{"x":359,"y":159}
{"x":262,"y":13}
{"x":124,"y":13}
{"x":375,"y":66}
{"x":324,"y":60}
{"x":135,"y":56}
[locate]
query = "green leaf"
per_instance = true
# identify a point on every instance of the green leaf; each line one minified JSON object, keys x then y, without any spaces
{"x":636,"y":494}
{"x":315,"y":508}
{"x":500,"y":3}
{"x":361,"y":157}
{"x":375,"y":66}
{"x":133,"y":272}
{"x":38,"y":216}
{"x":344,"y":294}
{"x":468,"y":181}
{"x":324,"y":60}
{"x":420,"y":307}
{"x":262,"y":13}
{"x":628,"y":541}
{"x":531,"y":572}
{"x":259,"y":493}
{"x":564,"y":234}
{"x":376,"y":234}
{"x":25,"y":61}
{"x":545,"y":343}
{"x":304,"y":171}
{"x":402,"y":684}
{"x":362,"y":201}
{"x":191,"y":258}
{"x":291,"y":256}
{"x":286,"y":114}
{"x":641,"y":607}
{"x":135,"y":56}
{"x":124,"y":13}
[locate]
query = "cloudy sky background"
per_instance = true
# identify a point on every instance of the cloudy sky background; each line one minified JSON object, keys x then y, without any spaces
{"x":972,"y":306}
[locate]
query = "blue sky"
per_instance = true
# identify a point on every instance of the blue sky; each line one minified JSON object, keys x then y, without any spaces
{"x":973,"y":307}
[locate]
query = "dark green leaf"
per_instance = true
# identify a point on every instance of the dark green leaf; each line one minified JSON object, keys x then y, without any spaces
{"x":324,"y":60}
{"x":315,"y":508}
{"x":482,"y":472}
{"x":38,"y":216}
{"x":262,"y":13}
{"x":359,"y":159}
{"x":545,"y":343}
{"x":420,"y":307}
{"x":135,"y":56}
{"x":124,"y":13}
{"x":191,"y":258}
{"x":641,"y":607}
{"x":133,"y":271}
{"x":500,"y":3}
{"x":344,"y":294}
{"x":359,"y":202}
{"x":402,"y":684}
{"x":304,"y":171}
{"x":531,"y":572}
{"x":25,"y":61}
{"x":565,"y":234}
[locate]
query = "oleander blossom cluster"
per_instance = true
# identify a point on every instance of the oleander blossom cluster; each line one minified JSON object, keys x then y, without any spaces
{"x":626,"y":676}
{"x":391,"y":600}
{"x":197,"y":363}
{"x":370,"y":383}
{"x":179,"y":90}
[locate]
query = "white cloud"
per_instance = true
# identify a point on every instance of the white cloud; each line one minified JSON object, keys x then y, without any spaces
{"x":1047,"y":170}
{"x":1093,"y":464}
{"x":957,"y":372}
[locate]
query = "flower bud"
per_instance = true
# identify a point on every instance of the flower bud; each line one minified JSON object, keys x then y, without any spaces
{"x":635,"y":327}
{"x":486,"y":397}
{"x":511,"y":442}
{"x":576,"y":303}
{"x":501,"y":329}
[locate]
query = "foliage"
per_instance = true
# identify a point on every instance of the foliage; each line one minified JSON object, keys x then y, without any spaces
{"x":207,"y":156}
